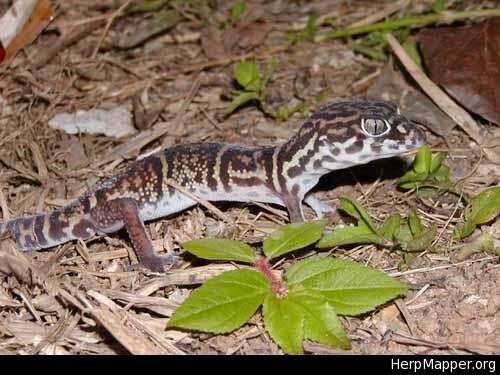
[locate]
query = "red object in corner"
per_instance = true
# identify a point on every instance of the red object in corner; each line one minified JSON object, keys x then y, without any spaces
{"x":2,"y":52}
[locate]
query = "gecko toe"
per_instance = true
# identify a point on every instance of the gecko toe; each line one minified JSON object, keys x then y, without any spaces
{"x":159,"y":264}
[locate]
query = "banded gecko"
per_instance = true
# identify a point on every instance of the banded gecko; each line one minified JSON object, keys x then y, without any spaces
{"x":337,"y":136}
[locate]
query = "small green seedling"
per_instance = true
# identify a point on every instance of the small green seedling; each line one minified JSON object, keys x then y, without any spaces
{"x":307,"y":33}
{"x":392,"y":233}
{"x":253,"y":83}
{"x":481,"y":209}
{"x":237,"y":11}
{"x":428,"y":174}
{"x":304,"y":304}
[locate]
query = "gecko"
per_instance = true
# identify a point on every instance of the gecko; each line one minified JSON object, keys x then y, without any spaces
{"x":336,"y":136}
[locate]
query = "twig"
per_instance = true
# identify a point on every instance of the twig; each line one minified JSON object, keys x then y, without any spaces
{"x":427,"y":269}
{"x":470,"y":347}
{"x":450,"y":218}
{"x":442,"y":100}
{"x":380,"y":15}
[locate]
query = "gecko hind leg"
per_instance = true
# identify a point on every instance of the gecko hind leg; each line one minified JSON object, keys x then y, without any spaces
{"x":124,"y":212}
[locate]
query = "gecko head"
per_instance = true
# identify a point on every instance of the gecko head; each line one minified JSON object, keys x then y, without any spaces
{"x":357,"y":132}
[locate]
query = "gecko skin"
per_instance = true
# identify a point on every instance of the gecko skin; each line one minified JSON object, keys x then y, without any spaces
{"x":338,"y":135}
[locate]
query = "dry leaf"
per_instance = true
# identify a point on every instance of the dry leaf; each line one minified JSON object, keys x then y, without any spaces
{"x":466,"y":62}
{"x":211,"y":42}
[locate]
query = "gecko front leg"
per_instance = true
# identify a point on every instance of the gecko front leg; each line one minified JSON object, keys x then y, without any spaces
{"x":320,"y":208}
{"x":294,"y":207}
{"x":124,"y":212}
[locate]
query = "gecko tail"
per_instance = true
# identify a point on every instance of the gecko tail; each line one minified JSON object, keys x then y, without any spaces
{"x":41,"y":231}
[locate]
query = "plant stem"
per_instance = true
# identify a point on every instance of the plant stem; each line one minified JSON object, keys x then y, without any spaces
{"x":417,"y":21}
{"x":277,"y":286}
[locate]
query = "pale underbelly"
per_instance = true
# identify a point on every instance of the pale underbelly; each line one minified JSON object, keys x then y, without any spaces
{"x":171,"y":204}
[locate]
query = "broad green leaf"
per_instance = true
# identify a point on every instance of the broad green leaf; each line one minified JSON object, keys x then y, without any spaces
{"x":349,"y":236}
{"x":428,"y":192}
{"x":437,"y":161}
{"x":390,"y":226}
{"x":220,"y":249}
{"x":421,"y":241}
{"x":442,"y":174}
{"x":223,"y":303}
{"x":414,"y":223}
{"x":350,"y":288}
{"x":284,"y":321}
{"x":411,"y":179}
{"x":241,"y":99}
{"x":403,"y":234}
{"x":246,"y":72}
{"x":485,"y":206}
{"x":293,"y":237}
{"x":321,"y":323}
{"x":422,"y":163}
{"x":237,"y":11}
{"x":353,"y":208}
{"x":481,"y":209}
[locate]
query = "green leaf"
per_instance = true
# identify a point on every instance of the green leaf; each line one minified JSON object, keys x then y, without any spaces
{"x":223,"y":303}
{"x":350,"y":236}
{"x":437,"y":6}
{"x":321,"y":323}
{"x":246,"y":73}
{"x":284,"y":321}
{"x":442,"y":174}
{"x":482,"y":208}
{"x":237,"y":11}
{"x":411,"y":179}
{"x":220,"y":249}
{"x":412,"y":51}
{"x":241,"y":99}
{"x":293,"y":237}
{"x":465,"y":230}
{"x":437,"y":161}
{"x":414,"y":223}
{"x":311,"y":28}
{"x":350,"y":288}
{"x":426,"y":169}
{"x":422,"y":241}
{"x":353,"y":208}
{"x":485,"y":206}
{"x":270,"y":68}
{"x":422,"y":163}
{"x":403,"y":234}
{"x":390,"y":226}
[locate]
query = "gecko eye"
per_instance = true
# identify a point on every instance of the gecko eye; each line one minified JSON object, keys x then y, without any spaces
{"x":375,"y":127}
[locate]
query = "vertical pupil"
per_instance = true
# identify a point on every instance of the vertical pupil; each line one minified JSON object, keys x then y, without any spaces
{"x":380,"y":128}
